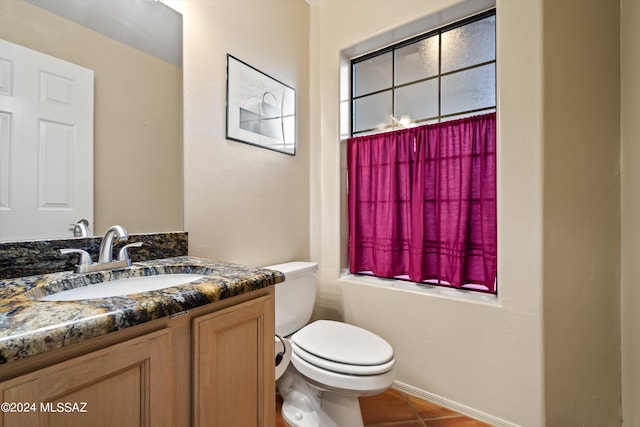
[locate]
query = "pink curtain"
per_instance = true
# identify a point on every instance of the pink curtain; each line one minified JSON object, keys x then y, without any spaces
{"x":422,"y":203}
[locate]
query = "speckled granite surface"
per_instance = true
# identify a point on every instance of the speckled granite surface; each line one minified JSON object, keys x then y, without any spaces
{"x":31,"y":257}
{"x":29,"y":327}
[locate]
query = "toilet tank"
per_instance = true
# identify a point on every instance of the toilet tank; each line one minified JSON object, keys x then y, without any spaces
{"x":295,"y":296}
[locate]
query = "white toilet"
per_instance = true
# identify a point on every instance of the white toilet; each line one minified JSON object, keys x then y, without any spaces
{"x":323,"y":367}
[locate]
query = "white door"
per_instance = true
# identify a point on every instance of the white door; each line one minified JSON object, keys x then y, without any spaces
{"x":46,"y":144}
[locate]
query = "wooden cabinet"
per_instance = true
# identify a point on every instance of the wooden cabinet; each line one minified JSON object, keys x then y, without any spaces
{"x":232,"y":360}
{"x":210,"y":367}
{"x":125,"y":385}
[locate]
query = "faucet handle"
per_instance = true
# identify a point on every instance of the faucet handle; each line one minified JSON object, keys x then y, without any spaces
{"x":123,"y":255}
{"x":85,"y":258}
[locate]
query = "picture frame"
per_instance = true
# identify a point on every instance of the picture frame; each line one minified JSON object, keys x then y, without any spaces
{"x":261,"y":110}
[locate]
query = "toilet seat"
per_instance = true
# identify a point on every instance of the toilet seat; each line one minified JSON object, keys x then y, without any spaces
{"x":342,"y":348}
{"x":359,"y":385}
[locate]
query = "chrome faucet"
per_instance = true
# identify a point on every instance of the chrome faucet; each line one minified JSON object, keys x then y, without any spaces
{"x":105,"y":256}
{"x":80,"y":228}
{"x":106,"y":247}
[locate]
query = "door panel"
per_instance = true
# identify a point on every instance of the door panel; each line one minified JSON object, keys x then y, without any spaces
{"x":233,"y":369}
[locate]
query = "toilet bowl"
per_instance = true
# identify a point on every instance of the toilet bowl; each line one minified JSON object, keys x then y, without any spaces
{"x":324,"y":365}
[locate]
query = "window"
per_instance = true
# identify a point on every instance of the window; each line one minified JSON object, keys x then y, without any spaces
{"x":442,"y":75}
{"x":422,"y":200}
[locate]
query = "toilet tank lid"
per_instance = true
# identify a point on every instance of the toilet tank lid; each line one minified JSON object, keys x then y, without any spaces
{"x":294,"y":268}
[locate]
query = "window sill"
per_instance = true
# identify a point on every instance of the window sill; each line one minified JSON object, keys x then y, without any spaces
{"x":423,"y":289}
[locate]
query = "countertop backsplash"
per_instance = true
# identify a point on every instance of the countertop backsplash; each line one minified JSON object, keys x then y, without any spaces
{"x":35,"y":257}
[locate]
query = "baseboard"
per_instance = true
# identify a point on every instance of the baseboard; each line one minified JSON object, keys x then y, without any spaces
{"x":454,"y":406}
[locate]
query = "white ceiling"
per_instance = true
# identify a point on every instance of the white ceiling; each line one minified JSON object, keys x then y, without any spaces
{"x":147,"y":25}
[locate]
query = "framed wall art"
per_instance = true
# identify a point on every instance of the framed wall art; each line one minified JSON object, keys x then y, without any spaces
{"x":261,"y":110}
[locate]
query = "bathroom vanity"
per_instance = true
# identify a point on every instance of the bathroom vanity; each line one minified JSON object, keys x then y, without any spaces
{"x":199,"y":354}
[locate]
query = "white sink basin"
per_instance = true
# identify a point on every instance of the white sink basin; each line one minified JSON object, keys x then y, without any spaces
{"x":130,"y":285}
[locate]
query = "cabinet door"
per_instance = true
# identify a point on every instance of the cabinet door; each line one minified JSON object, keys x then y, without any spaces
{"x":234,"y":372}
{"x":128,"y":384}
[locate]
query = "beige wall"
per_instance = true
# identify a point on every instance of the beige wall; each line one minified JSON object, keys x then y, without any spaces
{"x":582,"y":212}
{"x":531,"y":364}
{"x":630,"y":160}
{"x":485,"y":356}
{"x":242,"y":203}
{"x":556,"y":363}
{"x":137,"y":118}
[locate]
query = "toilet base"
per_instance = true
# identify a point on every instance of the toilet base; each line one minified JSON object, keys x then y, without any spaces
{"x":306,"y":406}
{"x":336,"y":411}
{"x":341,"y":410}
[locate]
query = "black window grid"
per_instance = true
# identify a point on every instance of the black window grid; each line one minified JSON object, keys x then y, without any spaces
{"x":393,"y":48}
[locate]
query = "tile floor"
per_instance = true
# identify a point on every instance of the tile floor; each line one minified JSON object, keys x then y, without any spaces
{"x":396,"y":409}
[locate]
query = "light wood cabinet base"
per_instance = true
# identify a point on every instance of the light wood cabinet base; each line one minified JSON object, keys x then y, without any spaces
{"x":231,"y":349}
{"x":125,"y":385}
{"x":211,"y":367}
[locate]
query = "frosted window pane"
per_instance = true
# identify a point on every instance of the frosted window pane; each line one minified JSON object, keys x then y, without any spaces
{"x":469,"y":45}
{"x":373,"y":74}
{"x":417,"y":61}
{"x":469,"y":90}
{"x":372,"y":111}
{"x":418,"y":101}
{"x":475,"y":113}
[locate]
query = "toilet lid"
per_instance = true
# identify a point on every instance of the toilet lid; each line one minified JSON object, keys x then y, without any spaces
{"x":341,"y":368}
{"x":343,"y":343}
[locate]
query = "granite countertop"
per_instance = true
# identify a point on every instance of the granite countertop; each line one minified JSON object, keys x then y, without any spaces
{"x":29,"y":327}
